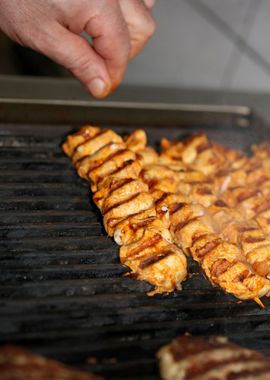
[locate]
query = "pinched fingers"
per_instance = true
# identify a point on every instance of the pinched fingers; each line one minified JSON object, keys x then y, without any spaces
{"x":111,"y":40}
{"x":149,"y":3}
{"x":77,"y":55}
{"x":119,"y":29}
{"x":140,"y":23}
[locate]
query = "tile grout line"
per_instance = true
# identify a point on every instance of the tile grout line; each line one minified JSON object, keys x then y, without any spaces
{"x":229,"y":33}
{"x":234,"y":60}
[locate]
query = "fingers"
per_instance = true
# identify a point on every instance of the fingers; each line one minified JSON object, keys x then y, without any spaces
{"x":75,"y":54}
{"x":149,"y":3}
{"x":111,"y":39}
{"x":119,"y":30}
{"x":140,"y":23}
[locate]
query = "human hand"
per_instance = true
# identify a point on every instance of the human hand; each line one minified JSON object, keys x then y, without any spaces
{"x":119,"y":30}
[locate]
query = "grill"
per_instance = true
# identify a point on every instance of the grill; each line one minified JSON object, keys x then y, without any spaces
{"x":62,"y":292}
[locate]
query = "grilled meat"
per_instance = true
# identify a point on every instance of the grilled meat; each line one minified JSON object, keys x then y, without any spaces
{"x":197,"y":194}
{"x":210,"y":358}
{"x":202,"y":223}
{"x":247,"y":192}
{"x":223,"y":262}
{"x":19,"y":364}
{"x":112,"y":165}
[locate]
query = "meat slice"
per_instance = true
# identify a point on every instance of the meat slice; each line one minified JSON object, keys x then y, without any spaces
{"x":17,"y":363}
{"x":210,"y":358}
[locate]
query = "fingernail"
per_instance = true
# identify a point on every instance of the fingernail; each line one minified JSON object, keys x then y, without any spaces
{"x":97,"y":87}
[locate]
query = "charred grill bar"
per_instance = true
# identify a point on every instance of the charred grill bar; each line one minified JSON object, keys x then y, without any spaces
{"x":62,"y":290}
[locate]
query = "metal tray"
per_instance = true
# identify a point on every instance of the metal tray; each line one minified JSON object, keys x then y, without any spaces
{"x":62,"y":293}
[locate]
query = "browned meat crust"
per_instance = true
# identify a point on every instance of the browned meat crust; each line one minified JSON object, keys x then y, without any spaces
{"x":210,"y":358}
{"x":19,"y":364}
{"x":193,"y":196}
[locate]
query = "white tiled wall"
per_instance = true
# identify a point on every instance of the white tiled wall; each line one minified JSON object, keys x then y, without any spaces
{"x":197,"y":44}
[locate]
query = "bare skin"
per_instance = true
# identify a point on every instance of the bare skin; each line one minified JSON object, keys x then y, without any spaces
{"x":119,"y":30}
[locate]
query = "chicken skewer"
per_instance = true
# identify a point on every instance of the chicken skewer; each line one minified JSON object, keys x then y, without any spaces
{"x":228,"y":246}
{"x":240,"y":182}
{"x":236,"y":225}
{"x":112,"y":166}
{"x":197,"y":223}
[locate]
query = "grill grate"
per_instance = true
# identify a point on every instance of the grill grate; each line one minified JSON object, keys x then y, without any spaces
{"x":62,"y":293}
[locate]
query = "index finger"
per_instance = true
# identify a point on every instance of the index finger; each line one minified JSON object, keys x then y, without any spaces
{"x":111,"y":39}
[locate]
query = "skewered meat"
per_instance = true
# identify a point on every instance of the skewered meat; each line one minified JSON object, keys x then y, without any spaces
{"x":210,"y":358}
{"x":202,"y":224}
{"x":19,"y":364}
{"x":112,"y":165}
{"x":194,"y":194}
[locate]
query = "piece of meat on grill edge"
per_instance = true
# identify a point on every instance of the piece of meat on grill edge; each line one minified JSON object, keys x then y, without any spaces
{"x":16,"y":363}
{"x":210,"y":358}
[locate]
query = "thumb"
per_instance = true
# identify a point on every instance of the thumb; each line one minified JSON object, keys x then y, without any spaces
{"x":149,"y":3}
{"x":77,"y":55}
